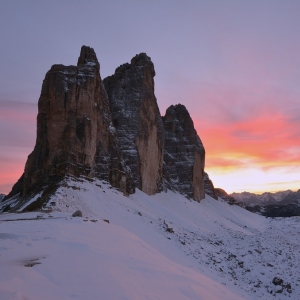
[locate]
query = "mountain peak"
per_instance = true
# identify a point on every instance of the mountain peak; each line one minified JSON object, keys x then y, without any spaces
{"x":87,"y":57}
{"x":111,"y":130}
{"x":143,"y":60}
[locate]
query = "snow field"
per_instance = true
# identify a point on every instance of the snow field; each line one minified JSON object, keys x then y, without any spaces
{"x":154,"y":247}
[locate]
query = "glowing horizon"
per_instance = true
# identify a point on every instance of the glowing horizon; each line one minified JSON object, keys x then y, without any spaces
{"x":232,"y":165}
{"x":261,"y":154}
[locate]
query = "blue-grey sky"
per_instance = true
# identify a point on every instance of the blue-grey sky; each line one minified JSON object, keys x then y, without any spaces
{"x":234,"y":64}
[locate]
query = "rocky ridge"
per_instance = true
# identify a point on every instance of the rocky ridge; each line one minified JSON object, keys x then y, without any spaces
{"x":224,"y":196}
{"x":279,"y":204}
{"x":265,"y":198}
{"x":110,"y":130}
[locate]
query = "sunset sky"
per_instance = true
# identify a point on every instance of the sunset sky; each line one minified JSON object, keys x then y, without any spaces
{"x":234,"y":64}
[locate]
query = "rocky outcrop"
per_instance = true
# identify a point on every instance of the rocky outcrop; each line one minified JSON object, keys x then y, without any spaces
{"x":75,"y":134}
{"x":184,"y":154}
{"x":226,"y":197}
{"x":137,"y":120}
{"x":209,"y":187}
{"x":110,"y":130}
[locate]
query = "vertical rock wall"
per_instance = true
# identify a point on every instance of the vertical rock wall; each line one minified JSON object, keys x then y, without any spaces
{"x":184,"y":154}
{"x":137,"y":120}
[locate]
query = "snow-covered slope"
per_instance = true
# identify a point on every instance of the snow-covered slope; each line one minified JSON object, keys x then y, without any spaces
{"x":154,"y":247}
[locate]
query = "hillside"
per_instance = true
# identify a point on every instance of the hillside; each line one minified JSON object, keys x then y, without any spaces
{"x":162,"y":246}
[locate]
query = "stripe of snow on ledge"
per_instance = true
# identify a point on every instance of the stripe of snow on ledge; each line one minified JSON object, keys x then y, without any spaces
{"x":30,"y":201}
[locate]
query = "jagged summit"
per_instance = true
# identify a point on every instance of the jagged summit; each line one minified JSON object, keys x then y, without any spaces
{"x":139,"y":64}
{"x":143,"y":60}
{"x":87,"y":56}
{"x":110,"y":130}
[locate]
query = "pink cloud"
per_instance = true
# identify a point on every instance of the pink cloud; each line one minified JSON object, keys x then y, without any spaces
{"x":17,"y":136}
{"x":266,"y":141}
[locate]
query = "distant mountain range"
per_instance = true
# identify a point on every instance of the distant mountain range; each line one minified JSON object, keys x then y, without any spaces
{"x":267,"y":198}
{"x":279,"y":204}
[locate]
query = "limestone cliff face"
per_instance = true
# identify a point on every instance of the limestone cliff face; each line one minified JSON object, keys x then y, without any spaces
{"x":137,"y":120}
{"x":75,"y":134}
{"x":184,"y":154}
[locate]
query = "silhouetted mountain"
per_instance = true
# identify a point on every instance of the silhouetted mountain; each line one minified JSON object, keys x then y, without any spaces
{"x":265,"y":198}
{"x":223,"y":195}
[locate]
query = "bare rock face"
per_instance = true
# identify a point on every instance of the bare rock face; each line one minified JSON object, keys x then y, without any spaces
{"x":75,"y":134}
{"x":137,"y":120}
{"x":184,"y":154}
{"x":223,"y":195}
{"x":209,"y":187}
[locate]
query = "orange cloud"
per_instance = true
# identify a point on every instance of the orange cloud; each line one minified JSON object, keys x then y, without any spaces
{"x":265,"y":141}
